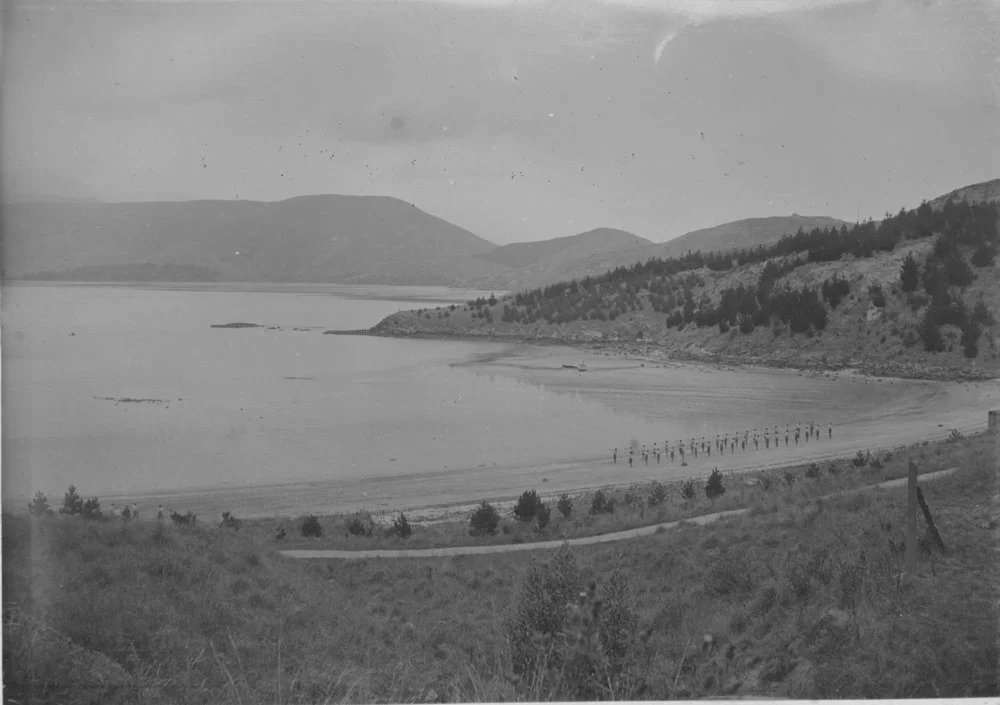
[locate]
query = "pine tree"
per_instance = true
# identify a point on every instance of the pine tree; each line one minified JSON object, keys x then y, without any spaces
{"x":930,"y":333}
{"x":909,"y":274}
{"x":40,"y":505}
{"x":72,"y":502}
{"x":714,"y":487}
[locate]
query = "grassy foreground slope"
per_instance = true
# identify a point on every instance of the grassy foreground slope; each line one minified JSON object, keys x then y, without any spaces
{"x":797,"y":599}
{"x":912,"y":295}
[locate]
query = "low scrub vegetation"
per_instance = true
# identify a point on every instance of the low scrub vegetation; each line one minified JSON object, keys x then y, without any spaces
{"x":801,"y":600}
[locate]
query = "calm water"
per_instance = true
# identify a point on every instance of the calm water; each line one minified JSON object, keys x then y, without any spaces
{"x":254,"y":406}
{"x":288,"y":420}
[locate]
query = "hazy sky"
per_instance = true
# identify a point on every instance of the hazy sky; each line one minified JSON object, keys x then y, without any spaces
{"x":518,"y":120}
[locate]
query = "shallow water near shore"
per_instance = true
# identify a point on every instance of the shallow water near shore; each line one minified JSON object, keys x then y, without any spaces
{"x":129,"y":393}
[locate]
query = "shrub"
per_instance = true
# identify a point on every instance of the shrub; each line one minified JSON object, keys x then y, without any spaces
{"x":311,"y":526}
{"x":484,"y":520}
{"x":72,"y":502}
{"x":527,"y":505}
{"x":401,"y":527}
{"x":984,"y":256}
{"x":574,"y":645}
{"x":688,"y":491}
{"x":860,"y":460}
{"x":981,"y":314}
{"x":812,"y":471}
{"x":280,"y":534}
{"x":229,"y":521}
{"x":657,"y":494}
{"x":542,"y":515}
{"x":714,"y":487}
{"x":730,"y":573}
{"x":92,"y":509}
{"x":356,"y":527}
{"x":909,"y":274}
{"x":876,"y":463}
{"x":955,"y":436}
{"x":601,"y":504}
{"x":930,"y":333}
{"x":877,"y":296}
{"x":565,"y":505}
{"x":188,"y":519}
{"x":39,"y":506}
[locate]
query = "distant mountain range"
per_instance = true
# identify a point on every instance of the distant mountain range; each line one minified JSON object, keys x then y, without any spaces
{"x":332,"y":238}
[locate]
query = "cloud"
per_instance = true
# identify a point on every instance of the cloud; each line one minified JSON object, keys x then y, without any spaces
{"x":662,"y":44}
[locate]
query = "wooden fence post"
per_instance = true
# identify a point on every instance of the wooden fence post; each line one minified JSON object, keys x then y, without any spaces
{"x":930,"y":520}
{"x":911,"y":520}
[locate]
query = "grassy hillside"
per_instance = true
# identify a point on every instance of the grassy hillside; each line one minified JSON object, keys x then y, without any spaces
{"x":797,"y":598}
{"x":742,"y":234}
{"x":984,"y":192}
{"x":826,"y":297}
{"x":528,"y":264}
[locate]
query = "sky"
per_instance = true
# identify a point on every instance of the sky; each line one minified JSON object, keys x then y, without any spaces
{"x":519,"y":119}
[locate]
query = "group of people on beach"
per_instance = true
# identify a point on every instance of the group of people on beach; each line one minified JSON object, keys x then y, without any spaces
{"x":768,"y":437}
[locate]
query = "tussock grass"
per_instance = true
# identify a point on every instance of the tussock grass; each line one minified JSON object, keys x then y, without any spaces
{"x":801,"y":599}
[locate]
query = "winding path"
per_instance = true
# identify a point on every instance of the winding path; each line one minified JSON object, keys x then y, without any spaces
{"x":556,"y":543}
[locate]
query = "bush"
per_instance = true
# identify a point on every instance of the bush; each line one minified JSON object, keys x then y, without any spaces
{"x":860,"y":460}
{"x":229,"y":521}
{"x":731,"y":573}
{"x":92,"y":509}
{"x":909,"y":274}
{"x":72,"y":502}
{"x":601,"y":504}
{"x":401,"y":527}
{"x":714,"y":487}
{"x":930,"y":333}
{"x":688,"y":491}
{"x":955,"y":436}
{"x":311,"y":526}
{"x":984,"y":256}
{"x":657,"y":494}
{"x":356,"y":527}
{"x":574,"y":645}
{"x":877,"y":296}
{"x":527,"y":505}
{"x":280,"y":534}
{"x":39,"y":506}
{"x":981,"y":314}
{"x":188,"y":519}
{"x":812,"y":471}
{"x":542,"y":515}
{"x":484,"y":520}
{"x":565,"y":505}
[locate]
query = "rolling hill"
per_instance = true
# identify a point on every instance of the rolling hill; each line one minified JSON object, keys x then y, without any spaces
{"x":984,"y":192}
{"x":330,"y":238}
{"x":916,"y":294}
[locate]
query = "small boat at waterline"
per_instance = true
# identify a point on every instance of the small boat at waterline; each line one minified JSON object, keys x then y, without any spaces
{"x":572,"y":366}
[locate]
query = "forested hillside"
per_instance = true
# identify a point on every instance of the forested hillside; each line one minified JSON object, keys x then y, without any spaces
{"x":915,"y":285}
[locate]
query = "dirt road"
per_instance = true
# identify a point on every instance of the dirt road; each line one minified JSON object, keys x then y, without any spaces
{"x":585,"y":541}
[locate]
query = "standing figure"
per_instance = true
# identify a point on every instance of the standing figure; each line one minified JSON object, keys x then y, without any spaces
{"x":614,"y":456}
{"x":829,"y":430}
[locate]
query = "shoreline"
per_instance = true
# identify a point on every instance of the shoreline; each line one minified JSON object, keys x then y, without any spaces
{"x":646,"y":352}
{"x":454,"y":510}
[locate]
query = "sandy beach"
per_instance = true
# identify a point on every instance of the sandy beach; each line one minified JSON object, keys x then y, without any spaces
{"x":894,"y":413}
